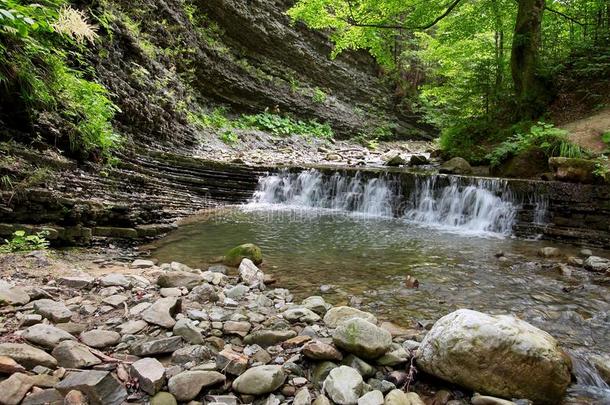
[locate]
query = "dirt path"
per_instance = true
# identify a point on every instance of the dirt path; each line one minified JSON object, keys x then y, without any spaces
{"x":587,"y":132}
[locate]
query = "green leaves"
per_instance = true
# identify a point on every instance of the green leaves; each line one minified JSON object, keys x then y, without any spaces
{"x":22,"y":242}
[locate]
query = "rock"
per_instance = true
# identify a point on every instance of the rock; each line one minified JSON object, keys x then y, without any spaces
{"x":52,"y":310}
{"x":457,"y":165}
{"x":337,"y":315}
{"x":9,"y":366}
{"x":100,"y":387}
{"x":31,"y":319}
{"x":75,"y":397}
{"x":204,"y":293}
{"x":99,"y":338}
{"x":27,"y":355}
{"x":260,"y":380}
{"x":602,"y":364}
{"x":150,"y":374}
{"x":246,"y":251}
{"x":193,"y":353}
{"x":115,"y":300}
{"x":364,"y":368}
{"x":163,"y":398}
{"x":139,"y":308}
{"x":156,"y":346}
{"x":487,"y":400}
{"x":44,"y":397}
{"x":171,"y":279}
{"x":317,"y":350}
{"x":382,"y":385}
{"x":418,"y":160}
{"x":399,"y":397}
{"x":394,"y":160}
{"x":316,"y":304}
{"x":237,"y":292}
{"x":549,"y":252}
{"x":343,"y":385}
{"x":13,"y":296}
{"x":269,"y":337}
{"x":371,"y":398}
{"x":187,"y":385}
{"x":250,"y":274}
{"x":71,"y":354}
{"x":161,"y":312}
{"x":132,"y":327}
{"x":585,"y":253}
{"x":115,"y":280}
{"x":302,"y":397}
{"x":362,"y":338}
{"x":300,"y":315}
{"x":184,"y":327}
{"x":321,"y":371}
{"x":46,"y":335}
{"x":528,"y":362}
{"x":72,"y":328}
{"x":170,"y":292}
{"x":395,"y":356}
{"x":231,"y":362}
{"x":574,"y":170}
{"x":396,"y":330}
{"x":236,"y":328}
{"x":597,"y":264}
{"x":142,"y":264}
{"x":14,"y":388}
{"x":82,"y":280}
{"x":321,"y":400}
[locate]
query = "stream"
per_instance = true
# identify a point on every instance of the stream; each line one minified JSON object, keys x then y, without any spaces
{"x":360,"y":240}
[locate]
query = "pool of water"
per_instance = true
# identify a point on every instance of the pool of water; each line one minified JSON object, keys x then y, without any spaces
{"x":367,"y":259}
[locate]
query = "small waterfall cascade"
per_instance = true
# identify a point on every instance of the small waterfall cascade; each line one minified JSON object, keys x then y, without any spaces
{"x":481,"y":205}
{"x":312,"y":189}
{"x":588,"y":380}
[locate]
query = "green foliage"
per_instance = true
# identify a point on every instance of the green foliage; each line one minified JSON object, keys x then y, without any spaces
{"x":606,"y":139}
{"x":553,"y":141}
{"x":602,"y":167}
{"x":21,"y":242}
{"x":229,"y":137}
{"x":319,"y":96}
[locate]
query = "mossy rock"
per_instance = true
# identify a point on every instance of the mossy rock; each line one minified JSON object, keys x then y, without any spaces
{"x":246,"y":251}
{"x":575,"y":170}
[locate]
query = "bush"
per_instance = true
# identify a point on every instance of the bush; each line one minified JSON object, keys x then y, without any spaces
{"x":20,"y":242}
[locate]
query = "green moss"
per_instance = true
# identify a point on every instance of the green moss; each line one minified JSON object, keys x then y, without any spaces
{"x":246,"y":251}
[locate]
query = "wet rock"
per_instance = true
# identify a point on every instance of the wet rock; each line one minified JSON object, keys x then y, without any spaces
{"x":99,"y":338}
{"x":393,"y":159}
{"x":115,"y":280}
{"x":185,"y":279}
{"x":100,"y":387}
{"x":260,"y":380}
{"x":236,"y":328}
{"x":300,"y":315}
{"x":337,"y":315}
{"x":250,"y":274}
{"x":457,"y":165}
{"x":231,"y":362}
{"x":71,"y":354}
{"x":163,"y":398}
{"x":14,"y":388}
{"x":302,"y":397}
{"x":597,"y":264}
{"x":246,"y":251}
{"x":362,"y":338}
{"x":602,"y":364}
{"x":187,"y":385}
{"x":52,"y":310}
{"x":487,"y":400}
{"x":533,"y":365}
{"x":46,"y":335}
{"x":161,"y":312}
{"x":186,"y":329}
{"x":365,"y":369}
{"x":27,"y":355}
{"x":269,"y":337}
{"x":418,"y":160}
{"x":371,"y":398}
{"x":150,"y":374}
{"x":343,"y":385}
{"x":156,"y":346}
{"x":549,"y":252}
{"x":317,"y":350}
{"x":13,"y":296}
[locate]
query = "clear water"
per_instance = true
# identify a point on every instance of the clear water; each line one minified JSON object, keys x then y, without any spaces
{"x":345,"y":233}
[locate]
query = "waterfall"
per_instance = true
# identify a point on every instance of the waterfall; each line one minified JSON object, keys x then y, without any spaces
{"x":458,"y":204}
{"x":312,"y":189}
{"x":481,"y":206}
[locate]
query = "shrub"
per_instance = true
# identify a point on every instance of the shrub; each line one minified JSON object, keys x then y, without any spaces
{"x":20,"y":242}
{"x":319,"y":96}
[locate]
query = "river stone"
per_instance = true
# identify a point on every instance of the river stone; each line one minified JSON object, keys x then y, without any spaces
{"x":269,"y":337}
{"x":597,"y":264}
{"x":82,"y":280}
{"x":100,"y":387}
{"x":250,"y":274}
{"x":44,"y":397}
{"x":457,"y":165}
{"x":316,"y":304}
{"x":115,"y":280}
{"x":399,"y":397}
{"x":300,"y":315}
{"x":14,"y":388}
{"x":317,"y":350}
{"x":260,"y":380}
{"x":46,"y":335}
{"x":132,"y":327}
{"x":163,"y":398}
{"x":487,"y":400}
{"x":321,"y":400}
{"x":115,"y":300}
{"x":156,"y":346}
{"x":187,"y":385}
{"x":27,"y":355}
{"x":302,"y":397}
{"x":53,"y":310}
{"x":188,"y":331}
{"x":374,"y":397}
{"x":13,"y":296}
{"x":229,"y":361}
{"x":337,"y":315}
{"x":161,"y":312}
{"x":186,"y":279}
{"x":142,"y":264}
{"x":602,"y":364}
{"x":193,"y":353}
{"x":395,"y":356}
{"x":549,"y":252}
{"x":99,"y":338}
{"x":9,"y":366}
{"x":527,"y":362}
{"x":237,"y":292}
{"x":240,"y":328}
{"x":71,"y":354}
{"x":320,"y":371}
{"x":343,"y":385}
{"x":150,"y":374}
{"x":246,"y":251}
{"x":204,"y":293}
{"x":362,"y":338}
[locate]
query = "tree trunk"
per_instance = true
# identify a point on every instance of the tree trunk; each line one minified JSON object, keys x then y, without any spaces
{"x":524,"y":58}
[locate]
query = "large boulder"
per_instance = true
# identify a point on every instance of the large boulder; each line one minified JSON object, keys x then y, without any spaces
{"x":362,"y":338}
{"x":498,"y":355}
{"x":457,"y":165}
{"x":246,"y":251}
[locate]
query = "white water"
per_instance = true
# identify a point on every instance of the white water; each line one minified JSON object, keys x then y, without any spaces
{"x":476,"y":206}
{"x":589,"y":382}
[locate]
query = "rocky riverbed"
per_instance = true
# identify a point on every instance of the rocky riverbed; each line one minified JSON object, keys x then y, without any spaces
{"x":80,"y":329}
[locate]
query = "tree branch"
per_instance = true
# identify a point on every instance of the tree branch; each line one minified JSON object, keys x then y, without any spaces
{"x":567,"y":17}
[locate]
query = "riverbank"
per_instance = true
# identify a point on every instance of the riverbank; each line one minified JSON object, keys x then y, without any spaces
{"x":119,"y":329}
